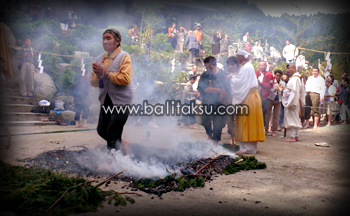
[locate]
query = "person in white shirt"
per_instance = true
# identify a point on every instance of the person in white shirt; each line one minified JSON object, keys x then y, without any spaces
{"x":301,"y":62}
{"x":315,"y":88}
{"x":275,"y":54}
{"x":293,"y":97}
{"x":274,"y":100}
{"x":246,"y":37}
{"x":257,"y":51}
{"x":290,"y":52}
{"x":329,"y":103}
{"x":194,"y":72}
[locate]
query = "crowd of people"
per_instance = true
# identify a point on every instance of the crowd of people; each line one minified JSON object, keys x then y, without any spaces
{"x":287,"y":99}
{"x":277,"y":99}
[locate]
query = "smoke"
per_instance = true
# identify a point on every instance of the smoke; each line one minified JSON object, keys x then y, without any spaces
{"x":149,"y":161}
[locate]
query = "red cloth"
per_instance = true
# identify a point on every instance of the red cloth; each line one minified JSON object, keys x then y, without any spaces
{"x":133,"y":32}
{"x":267,"y":83}
{"x":248,"y":47}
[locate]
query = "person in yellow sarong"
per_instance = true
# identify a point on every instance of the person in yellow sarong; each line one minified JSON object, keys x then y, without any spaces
{"x":244,"y":88}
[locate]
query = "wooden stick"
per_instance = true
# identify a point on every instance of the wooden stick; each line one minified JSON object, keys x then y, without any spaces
{"x":208,"y":173}
{"x":285,"y":132}
{"x":240,"y":160}
{"x":65,"y":194}
{"x":220,"y":154}
{"x":215,"y":158}
{"x":111,"y":177}
{"x":194,"y":175}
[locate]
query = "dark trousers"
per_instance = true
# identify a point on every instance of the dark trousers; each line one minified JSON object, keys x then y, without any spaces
{"x":172,"y":41}
{"x":192,"y":53}
{"x":110,"y":125}
{"x":264,"y":108}
{"x":214,"y":129}
{"x":280,"y":123}
{"x":192,"y":117}
{"x":231,"y":128}
{"x":78,"y":109}
{"x":308,"y":106}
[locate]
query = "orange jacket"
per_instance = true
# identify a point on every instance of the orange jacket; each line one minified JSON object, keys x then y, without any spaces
{"x":170,"y":31}
{"x":198,"y":34}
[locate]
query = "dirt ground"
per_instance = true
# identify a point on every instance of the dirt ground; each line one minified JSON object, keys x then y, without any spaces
{"x":300,"y":178}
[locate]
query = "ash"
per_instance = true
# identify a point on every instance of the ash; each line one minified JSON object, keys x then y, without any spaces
{"x":80,"y":160}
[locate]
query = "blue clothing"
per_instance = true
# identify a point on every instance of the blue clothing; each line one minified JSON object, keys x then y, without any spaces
{"x":58,"y":111}
{"x":280,"y":123}
{"x":191,"y":42}
{"x":344,"y":94}
{"x":327,"y":93}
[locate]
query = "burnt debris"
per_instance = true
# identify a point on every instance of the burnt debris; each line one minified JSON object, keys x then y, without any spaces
{"x":192,"y":173}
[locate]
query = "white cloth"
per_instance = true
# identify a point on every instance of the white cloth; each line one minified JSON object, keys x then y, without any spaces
{"x":274,"y":53}
{"x":260,"y":78}
{"x":300,"y":62}
{"x":242,"y":83}
{"x":43,"y":103}
{"x":294,"y":132}
{"x":245,"y":38}
{"x":243,"y":53}
{"x":331,"y":90}
{"x":326,"y":74}
{"x":273,"y":91}
{"x":258,"y":51}
{"x":195,"y":85}
{"x":292,"y":96}
{"x":64,"y":26}
{"x":316,"y":84}
{"x":290,"y":52}
{"x":248,"y":147}
{"x":344,"y":111}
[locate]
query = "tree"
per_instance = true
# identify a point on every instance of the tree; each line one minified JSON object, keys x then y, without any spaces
{"x":150,"y":17}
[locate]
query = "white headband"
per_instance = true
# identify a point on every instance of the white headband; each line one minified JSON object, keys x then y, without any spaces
{"x":243,"y":53}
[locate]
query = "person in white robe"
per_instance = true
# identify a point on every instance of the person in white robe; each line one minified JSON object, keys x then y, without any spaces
{"x":249,"y":130}
{"x":293,"y":97}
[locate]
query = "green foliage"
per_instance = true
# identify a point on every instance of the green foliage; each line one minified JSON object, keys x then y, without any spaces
{"x":248,"y":163}
{"x":51,"y":63}
{"x":183,"y":184}
{"x":119,"y":200}
{"x":133,"y":50}
{"x":129,"y":199}
{"x":68,"y":79}
{"x":33,"y":191}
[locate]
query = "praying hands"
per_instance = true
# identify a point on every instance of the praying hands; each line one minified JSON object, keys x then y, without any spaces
{"x":212,"y":90}
{"x":98,"y":69}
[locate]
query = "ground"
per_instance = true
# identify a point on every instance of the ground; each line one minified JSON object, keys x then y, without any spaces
{"x":300,"y":178}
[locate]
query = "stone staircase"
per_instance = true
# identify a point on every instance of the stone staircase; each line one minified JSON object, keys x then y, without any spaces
{"x":17,"y":109}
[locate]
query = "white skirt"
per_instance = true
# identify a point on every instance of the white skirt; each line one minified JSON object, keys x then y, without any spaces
{"x":248,"y":147}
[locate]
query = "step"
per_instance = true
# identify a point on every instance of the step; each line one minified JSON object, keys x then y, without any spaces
{"x":13,"y":85}
{"x":23,"y":116}
{"x":28,"y":123}
{"x":11,"y":92}
{"x":16,"y":100}
{"x":18,"y":107}
{"x":16,"y":79}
